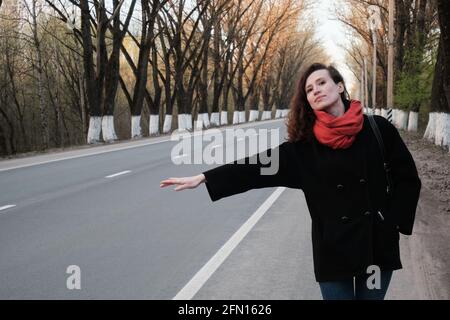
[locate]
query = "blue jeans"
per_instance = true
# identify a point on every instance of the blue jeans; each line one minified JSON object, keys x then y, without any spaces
{"x":355,"y":288}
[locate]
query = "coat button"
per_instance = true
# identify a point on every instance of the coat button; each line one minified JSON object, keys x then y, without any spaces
{"x":340,"y":187}
{"x":344,"y":219}
{"x":367,"y":213}
{"x":362,"y":181}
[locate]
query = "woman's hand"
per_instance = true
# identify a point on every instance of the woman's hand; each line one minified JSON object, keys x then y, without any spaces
{"x":184,"y":182}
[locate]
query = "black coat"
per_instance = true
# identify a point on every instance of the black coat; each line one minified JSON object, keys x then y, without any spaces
{"x":354,"y":223}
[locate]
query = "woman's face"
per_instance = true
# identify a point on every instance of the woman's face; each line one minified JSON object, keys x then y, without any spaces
{"x":321,"y":91}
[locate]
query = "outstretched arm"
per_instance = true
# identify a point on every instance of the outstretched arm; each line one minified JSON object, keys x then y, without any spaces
{"x":276,"y":167}
{"x":184,"y":182}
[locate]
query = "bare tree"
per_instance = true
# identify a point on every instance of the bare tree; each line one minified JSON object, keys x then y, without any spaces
{"x":34,"y":10}
{"x":275,"y":19}
{"x":440,"y":99}
{"x":181,"y":30}
{"x":14,"y":71}
{"x":60,"y":75}
{"x":293,"y":55}
{"x":102,"y":79}
{"x":225,"y":32}
{"x":414,"y":22}
{"x":439,"y":121}
{"x":150,"y":10}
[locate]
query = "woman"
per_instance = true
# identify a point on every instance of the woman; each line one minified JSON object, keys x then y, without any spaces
{"x":332,"y":155}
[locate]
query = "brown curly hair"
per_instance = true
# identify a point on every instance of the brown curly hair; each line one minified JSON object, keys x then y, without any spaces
{"x":301,"y":117}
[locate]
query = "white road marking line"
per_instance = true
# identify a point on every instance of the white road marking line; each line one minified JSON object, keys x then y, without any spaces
{"x":7,"y":207}
{"x":81,"y":156}
{"x":205,"y":132}
{"x":200,"y":278}
{"x":118,"y":174}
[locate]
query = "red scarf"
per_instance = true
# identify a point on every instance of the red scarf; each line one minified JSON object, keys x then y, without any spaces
{"x":339,"y":132}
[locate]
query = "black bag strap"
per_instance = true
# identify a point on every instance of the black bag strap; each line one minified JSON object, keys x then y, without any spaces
{"x":387,"y":167}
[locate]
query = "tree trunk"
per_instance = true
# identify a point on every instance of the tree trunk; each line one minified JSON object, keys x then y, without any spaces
{"x":438,"y":128}
{"x":202,"y":117}
{"x":444,"y":23}
{"x":3,"y":148}
{"x":40,"y":80}
{"x":141,"y":74}
{"x":92,"y":88}
{"x":12,"y":146}
{"x":155,"y":106}
{"x":215,"y":121}
{"x":401,"y":20}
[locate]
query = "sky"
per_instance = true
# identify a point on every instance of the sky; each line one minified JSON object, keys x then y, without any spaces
{"x":332,"y":33}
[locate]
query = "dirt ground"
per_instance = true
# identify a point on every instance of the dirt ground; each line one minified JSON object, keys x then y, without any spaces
{"x":433,"y":164}
{"x":431,"y":234}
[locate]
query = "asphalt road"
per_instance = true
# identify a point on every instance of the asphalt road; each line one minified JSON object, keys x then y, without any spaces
{"x":101,"y":209}
{"x":130,"y":239}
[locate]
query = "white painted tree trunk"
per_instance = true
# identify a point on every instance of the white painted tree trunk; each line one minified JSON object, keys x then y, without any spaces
{"x":235,"y":117}
{"x":224,"y":118}
{"x":206,"y":122}
{"x":188,"y":121}
{"x":95,"y":128}
{"x":108,"y":132}
{"x":402,"y":120}
{"x":413,"y":121}
{"x":242,"y":116}
{"x":215,"y":119}
{"x":153,"y":127}
{"x":136,"y":127}
{"x":167,"y":123}
{"x":442,"y":133}
{"x":284,"y":113}
{"x":377,"y":111}
{"x":277,"y":113}
{"x":253,"y":115}
{"x":384,"y":113}
{"x":182,"y":121}
{"x":431,"y":127}
{"x":202,"y":121}
{"x":267,"y":115}
{"x":395,"y":117}
{"x":447,"y":130}
{"x":198,"y":124}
